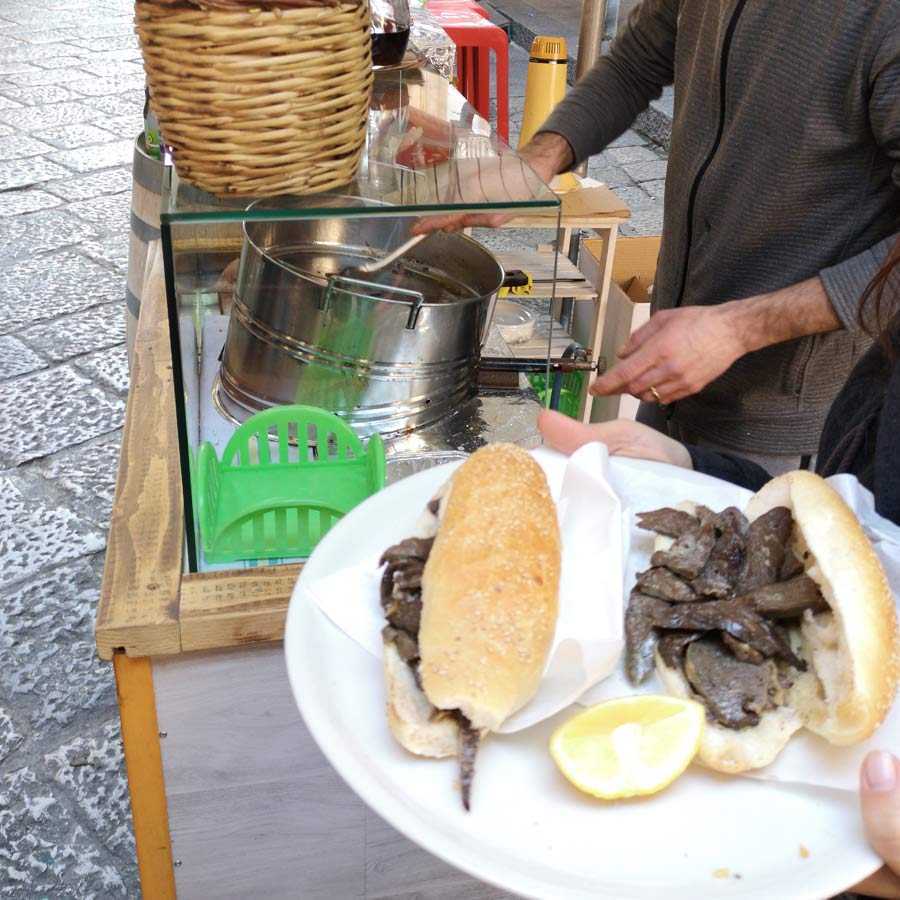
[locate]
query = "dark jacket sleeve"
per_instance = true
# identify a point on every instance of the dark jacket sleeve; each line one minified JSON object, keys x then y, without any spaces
{"x":845,"y":282}
{"x":621,"y":85}
{"x":738,"y":471}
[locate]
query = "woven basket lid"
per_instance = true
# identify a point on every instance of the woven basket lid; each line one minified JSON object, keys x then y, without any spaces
{"x":241,"y":5}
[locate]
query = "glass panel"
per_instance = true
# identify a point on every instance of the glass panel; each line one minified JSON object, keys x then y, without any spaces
{"x":427,"y":151}
{"x":267,"y":315}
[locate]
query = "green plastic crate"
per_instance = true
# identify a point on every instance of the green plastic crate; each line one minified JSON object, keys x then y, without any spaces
{"x":285,"y":478}
{"x":569,"y":396}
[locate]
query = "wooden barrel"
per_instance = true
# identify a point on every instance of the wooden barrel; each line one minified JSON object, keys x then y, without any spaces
{"x":145,"y":204}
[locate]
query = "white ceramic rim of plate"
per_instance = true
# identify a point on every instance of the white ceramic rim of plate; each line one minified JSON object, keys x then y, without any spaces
{"x":820,"y":880}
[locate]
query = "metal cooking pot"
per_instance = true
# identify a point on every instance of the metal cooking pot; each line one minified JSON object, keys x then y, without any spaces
{"x":390,"y":353}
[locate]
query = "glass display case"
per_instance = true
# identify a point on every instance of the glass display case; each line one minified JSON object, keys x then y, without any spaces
{"x":268,"y":306}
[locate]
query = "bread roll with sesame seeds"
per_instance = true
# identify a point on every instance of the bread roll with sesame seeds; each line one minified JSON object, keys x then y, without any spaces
{"x":489,"y":606}
{"x":490,"y":588}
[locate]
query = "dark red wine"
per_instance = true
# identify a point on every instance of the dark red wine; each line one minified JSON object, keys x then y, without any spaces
{"x":389,"y":47}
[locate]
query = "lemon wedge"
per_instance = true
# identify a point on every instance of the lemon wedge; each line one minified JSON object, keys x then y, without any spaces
{"x":628,"y":747}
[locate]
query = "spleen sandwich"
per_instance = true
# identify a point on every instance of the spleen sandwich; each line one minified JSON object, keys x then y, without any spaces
{"x":471,"y":604}
{"x":777,"y":619}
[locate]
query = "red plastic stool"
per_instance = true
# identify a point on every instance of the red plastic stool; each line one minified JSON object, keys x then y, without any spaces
{"x":436,"y":6}
{"x":475,"y":37}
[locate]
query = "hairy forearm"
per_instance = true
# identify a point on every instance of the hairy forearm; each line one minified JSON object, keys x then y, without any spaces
{"x":784,"y":315}
{"x":548,"y":154}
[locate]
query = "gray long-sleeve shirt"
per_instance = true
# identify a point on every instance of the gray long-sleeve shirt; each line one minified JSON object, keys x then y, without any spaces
{"x":784,"y":165}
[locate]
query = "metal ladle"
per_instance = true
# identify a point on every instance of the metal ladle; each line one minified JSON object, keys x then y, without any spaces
{"x":377,"y":265}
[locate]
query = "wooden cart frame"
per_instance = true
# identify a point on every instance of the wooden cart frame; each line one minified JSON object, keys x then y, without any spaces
{"x":153,"y":619}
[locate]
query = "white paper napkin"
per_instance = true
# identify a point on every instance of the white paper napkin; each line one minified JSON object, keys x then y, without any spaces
{"x":589,"y":638}
{"x":807,"y":759}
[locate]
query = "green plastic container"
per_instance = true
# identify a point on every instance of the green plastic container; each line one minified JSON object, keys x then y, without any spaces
{"x":569,"y":396}
{"x":286,"y":476}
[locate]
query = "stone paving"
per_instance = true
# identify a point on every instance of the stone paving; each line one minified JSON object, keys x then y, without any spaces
{"x":70,"y":105}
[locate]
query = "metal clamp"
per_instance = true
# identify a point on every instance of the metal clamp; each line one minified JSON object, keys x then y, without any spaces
{"x":415,"y":298}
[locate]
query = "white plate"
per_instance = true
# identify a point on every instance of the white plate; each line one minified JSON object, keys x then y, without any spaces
{"x":529,"y":832}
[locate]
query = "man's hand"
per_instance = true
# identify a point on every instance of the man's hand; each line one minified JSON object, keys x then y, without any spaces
{"x":622,"y":437}
{"x":680,"y":351}
{"x":677,"y":353}
{"x":546,"y":155}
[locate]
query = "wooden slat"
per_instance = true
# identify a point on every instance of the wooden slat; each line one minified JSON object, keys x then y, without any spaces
{"x":138,"y":609}
{"x":146,"y":785}
{"x":228,"y":609}
{"x":587,"y":207}
{"x":597,"y":262}
{"x":256,"y":810}
{"x":571,"y":283}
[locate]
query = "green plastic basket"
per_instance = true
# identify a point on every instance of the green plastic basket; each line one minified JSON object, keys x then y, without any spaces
{"x":569,"y":396}
{"x":285,"y":477}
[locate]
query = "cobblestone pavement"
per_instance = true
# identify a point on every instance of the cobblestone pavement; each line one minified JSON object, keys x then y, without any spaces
{"x":70,"y":105}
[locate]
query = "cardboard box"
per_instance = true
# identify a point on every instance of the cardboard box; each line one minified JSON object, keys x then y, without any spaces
{"x":634,"y":266}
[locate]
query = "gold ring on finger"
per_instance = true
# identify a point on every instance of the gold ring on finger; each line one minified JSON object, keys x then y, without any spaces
{"x":656,"y":396}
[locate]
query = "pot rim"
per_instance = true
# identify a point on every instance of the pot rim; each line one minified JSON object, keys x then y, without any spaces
{"x":321,"y":282}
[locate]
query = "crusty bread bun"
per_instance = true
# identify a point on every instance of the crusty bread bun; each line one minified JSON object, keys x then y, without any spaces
{"x":489,"y":603}
{"x":490,"y":588}
{"x":852,"y":650}
{"x":411,"y":717}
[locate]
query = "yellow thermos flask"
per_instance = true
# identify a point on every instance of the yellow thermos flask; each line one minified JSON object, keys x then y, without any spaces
{"x":545,"y":86}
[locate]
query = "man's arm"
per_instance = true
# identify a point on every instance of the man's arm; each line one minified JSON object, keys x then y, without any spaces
{"x":679,"y":351}
{"x":598,"y":109}
{"x":604,"y":103}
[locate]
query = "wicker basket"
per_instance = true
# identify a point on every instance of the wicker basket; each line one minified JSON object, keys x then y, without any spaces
{"x":259,"y":100}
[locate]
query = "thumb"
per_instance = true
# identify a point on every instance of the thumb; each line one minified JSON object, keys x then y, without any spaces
{"x":562,"y":433}
{"x":880,"y":799}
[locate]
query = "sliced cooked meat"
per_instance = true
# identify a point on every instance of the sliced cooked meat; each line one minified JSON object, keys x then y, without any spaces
{"x":736,"y":617}
{"x":792,"y":567}
{"x":735,"y":692}
{"x":740,"y":650}
{"x":723,"y":568}
{"x":673,"y":644}
{"x":705,"y":514}
{"x":405,"y":613}
{"x":660,"y":582}
{"x":670,"y":522}
{"x":690,"y":552}
{"x":401,"y":583}
{"x":788,"y":599}
{"x":766,"y":542}
{"x":469,"y":739}
{"x":406,"y":644}
{"x":640,"y":635}
{"x":408,"y":576}
{"x":411,"y":548}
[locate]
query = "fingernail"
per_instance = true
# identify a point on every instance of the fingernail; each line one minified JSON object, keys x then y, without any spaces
{"x":879,"y":772}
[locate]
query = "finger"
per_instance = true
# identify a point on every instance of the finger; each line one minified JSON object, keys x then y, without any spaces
{"x":562,"y":433}
{"x":619,"y":378}
{"x":657,"y":377}
{"x":884,"y":883}
{"x":458,"y":222}
{"x":438,"y":223}
{"x":640,"y":336}
{"x":880,"y":800}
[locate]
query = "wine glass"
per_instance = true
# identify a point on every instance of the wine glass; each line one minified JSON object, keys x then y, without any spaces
{"x":390,"y":31}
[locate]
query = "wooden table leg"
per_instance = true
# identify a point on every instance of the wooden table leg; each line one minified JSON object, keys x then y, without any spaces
{"x":143,"y":760}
